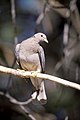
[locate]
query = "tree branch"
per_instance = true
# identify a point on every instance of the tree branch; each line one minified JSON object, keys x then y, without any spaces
{"x":27,"y":74}
{"x":59,"y":8}
{"x":20,"y":105}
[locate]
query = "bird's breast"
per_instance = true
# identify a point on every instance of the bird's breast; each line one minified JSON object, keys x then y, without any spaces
{"x":27,"y":65}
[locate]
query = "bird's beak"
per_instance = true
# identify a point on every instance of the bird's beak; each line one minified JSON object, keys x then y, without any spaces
{"x":46,"y":40}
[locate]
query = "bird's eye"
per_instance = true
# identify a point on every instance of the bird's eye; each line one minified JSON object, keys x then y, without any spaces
{"x":41,"y":35}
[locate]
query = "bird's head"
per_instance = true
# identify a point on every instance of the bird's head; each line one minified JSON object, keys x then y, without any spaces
{"x":41,"y":37}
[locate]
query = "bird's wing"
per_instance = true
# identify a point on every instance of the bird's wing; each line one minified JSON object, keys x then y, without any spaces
{"x":41,"y":58}
{"x":17,"y":52}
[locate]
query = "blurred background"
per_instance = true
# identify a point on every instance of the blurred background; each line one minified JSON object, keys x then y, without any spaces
{"x":62,"y":56}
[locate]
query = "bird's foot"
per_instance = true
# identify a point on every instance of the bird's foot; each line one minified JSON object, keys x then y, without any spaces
{"x":34,"y":73}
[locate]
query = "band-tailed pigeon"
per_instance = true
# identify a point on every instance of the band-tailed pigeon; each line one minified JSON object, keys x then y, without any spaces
{"x":30,"y":56}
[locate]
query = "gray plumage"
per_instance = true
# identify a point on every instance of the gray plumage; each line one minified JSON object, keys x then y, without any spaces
{"x":30,"y":56}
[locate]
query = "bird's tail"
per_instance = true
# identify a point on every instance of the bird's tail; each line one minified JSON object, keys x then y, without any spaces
{"x":40,"y":95}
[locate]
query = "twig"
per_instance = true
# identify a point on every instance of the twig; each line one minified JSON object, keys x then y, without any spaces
{"x":20,"y":104}
{"x":75,"y":14}
{"x":25,"y":110}
{"x":13,"y":14}
{"x":59,"y":8}
{"x":42,"y":15}
{"x":66,"y":34}
{"x":14,"y":101}
{"x":27,"y":74}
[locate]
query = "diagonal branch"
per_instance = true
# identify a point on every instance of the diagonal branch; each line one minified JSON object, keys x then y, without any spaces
{"x":20,"y":104}
{"x":59,"y":8}
{"x":27,"y":74}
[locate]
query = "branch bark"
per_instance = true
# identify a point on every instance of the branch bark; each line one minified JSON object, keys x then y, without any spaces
{"x":27,"y":74}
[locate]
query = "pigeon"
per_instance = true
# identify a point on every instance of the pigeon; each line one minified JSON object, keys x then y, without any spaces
{"x":30,"y":56}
